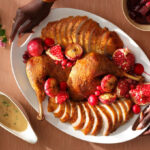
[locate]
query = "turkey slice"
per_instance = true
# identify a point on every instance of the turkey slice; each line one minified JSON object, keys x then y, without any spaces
{"x":63,"y":32}
{"x":106,"y":120}
{"x":78,"y":124}
{"x":123,"y":110}
{"x":88,"y":121}
{"x":66,"y":116}
{"x":113,"y":114}
{"x":73,"y":112}
{"x":59,"y":111}
{"x":76,"y":28}
{"x":97,"y":125}
{"x":87,"y":35}
{"x":52,"y":105}
{"x":118,"y":111}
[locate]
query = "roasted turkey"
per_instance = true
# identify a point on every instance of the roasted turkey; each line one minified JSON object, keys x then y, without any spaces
{"x":84,"y":31}
{"x":85,"y":74}
{"x":83,"y":77}
{"x":38,"y":69}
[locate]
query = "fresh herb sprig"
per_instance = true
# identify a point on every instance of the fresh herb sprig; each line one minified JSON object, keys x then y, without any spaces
{"x":3,"y":34}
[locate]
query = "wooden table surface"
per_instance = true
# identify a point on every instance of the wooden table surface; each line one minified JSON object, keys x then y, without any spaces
{"x":51,"y":138}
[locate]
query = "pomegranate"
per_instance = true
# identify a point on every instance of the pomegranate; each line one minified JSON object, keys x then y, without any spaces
{"x":141,"y":94}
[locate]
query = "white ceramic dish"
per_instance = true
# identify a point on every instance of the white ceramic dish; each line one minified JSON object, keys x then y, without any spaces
{"x":124,"y":133}
{"x":27,"y":135}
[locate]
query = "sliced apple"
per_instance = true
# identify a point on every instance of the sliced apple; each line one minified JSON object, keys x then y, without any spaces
{"x":108,"y":98}
{"x":51,"y":87}
{"x":73,"y":51}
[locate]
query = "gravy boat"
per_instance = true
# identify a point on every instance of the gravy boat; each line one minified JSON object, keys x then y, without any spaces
{"x":28,"y":134}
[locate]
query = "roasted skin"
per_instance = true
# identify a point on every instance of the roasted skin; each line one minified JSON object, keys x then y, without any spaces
{"x":84,"y":76}
{"x":84,"y":31}
{"x":38,"y":69}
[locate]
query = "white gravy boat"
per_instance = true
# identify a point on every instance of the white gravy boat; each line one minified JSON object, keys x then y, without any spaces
{"x":28,"y":134}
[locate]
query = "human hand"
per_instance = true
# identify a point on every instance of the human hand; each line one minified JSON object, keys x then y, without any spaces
{"x":143,"y":120}
{"x":35,"y":12}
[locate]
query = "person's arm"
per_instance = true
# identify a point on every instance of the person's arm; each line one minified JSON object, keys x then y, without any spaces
{"x":143,"y":121}
{"x":34,"y":12}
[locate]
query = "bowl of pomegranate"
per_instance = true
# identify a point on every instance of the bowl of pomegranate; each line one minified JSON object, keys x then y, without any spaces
{"x":137,"y":12}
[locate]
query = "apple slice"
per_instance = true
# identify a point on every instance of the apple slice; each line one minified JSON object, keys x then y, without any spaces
{"x":108,"y":98}
{"x":108,"y":83}
{"x":73,"y":51}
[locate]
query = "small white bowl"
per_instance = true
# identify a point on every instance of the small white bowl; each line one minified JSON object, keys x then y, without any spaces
{"x":27,"y":135}
{"x":141,"y":27}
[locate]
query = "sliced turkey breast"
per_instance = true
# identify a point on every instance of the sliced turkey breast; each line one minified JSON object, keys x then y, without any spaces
{"x":100,"y":40}
{"x":124,"y":110}
{"x":87,"y":35}
{"x":97,"y":125}
{"x":70,"y":28}
{"x":107,"y":112}
{"x":52,"y":105}
{"x":113,"y":114}
{"x":106,"y":120}
{"x":58,"y":27}
{"x":128,"y":103}
{"x":66,"y":116}
{"x":78,"y":124}
{"x":59,"y":111}
{"x":84,"y":31}
{"x":118,"y":111}
{"x":76,"y":28}
{"x":73,"y":112}
{"x":89,"y":120}
{"x":50,"y":31}
{"x":112,"y":43}
{"x":63,"y":31}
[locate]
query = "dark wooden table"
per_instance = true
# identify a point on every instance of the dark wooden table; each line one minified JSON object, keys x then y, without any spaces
{"x":51,"y":138}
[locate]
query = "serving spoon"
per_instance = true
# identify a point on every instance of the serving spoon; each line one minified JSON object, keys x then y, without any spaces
{"x":28,"y":134}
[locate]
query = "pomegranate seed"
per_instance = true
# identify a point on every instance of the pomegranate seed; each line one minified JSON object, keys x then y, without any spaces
{"x":69,"y":64}
{"x":63,"y":67}
{"x":148,"y":19}
{"x":99,"y":88}
{"x":64,"y":62}
{"x":25,"y":61}
{"x":49,"y":42}
{"x":127,"y":95}
{"x":97,"y":93}
{"x":93,"y":99}
{"x":56,"y":62}
{"x":25,"y":56}
{"x":63,"y":86}
{"x":148,"y":5}
{"x":132,"y":86}
{"x":45,"y":47}
{"x":138,"y":69}
{"x":136,"y":109}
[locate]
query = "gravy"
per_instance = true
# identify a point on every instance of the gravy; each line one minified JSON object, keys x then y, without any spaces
{"x":11,"y":116}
